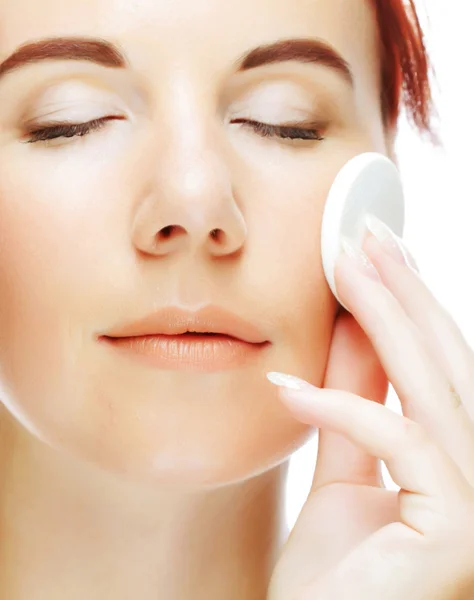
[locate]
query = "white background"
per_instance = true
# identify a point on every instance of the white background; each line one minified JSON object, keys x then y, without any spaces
{"x":439,"y":191}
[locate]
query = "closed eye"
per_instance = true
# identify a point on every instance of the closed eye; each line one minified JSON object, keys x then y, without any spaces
{"x":67,"y":130}
{"x":291,"y":132}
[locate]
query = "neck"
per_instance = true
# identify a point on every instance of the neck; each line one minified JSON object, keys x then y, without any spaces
{"x":65,"y":526}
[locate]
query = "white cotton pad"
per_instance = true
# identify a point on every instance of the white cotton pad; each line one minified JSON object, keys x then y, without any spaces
{"x":368,"y":183}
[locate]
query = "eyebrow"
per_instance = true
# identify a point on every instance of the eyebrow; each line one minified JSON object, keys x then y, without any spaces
{"x":61,"y":48}
{"x":304,"y":50}
{"x":104,"y":53}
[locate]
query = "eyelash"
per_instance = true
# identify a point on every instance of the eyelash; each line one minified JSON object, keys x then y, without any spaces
{"x":291,"y":132}
{"x":68,"y":130}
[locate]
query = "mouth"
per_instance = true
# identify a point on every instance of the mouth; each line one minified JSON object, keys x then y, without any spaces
{"x":210,"y":339}
{"x":188,"y":351}
{"x":202,"y":333}
{"x":192,"y":335}
{"x":210,"y":321}
{"x":206,"y":334}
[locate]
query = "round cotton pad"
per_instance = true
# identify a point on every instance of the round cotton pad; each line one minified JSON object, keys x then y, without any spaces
{"x":368,"y":183}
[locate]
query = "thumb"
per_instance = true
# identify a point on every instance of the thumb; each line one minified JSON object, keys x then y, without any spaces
{"x":352,"y":366}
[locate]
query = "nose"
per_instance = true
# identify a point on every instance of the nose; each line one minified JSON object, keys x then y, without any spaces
{"x":189,"y":205}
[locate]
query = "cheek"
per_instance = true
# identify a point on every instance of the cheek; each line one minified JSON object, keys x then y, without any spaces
{"x":284,"y":271}
{"x":50,"y":272}
{"x":50,"y":248}
{"x":286,"y":215}
{"x":61,"y":227}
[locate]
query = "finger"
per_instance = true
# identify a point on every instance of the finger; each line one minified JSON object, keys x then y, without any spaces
{"x":423,"y":388}
{"x":415,"y":462}
{"x":442,"y":336}
{"x":353,"y":366}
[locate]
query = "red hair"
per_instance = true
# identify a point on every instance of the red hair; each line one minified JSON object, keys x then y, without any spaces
{"x":405,"y":66}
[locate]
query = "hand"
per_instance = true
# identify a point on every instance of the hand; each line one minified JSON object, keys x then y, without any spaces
{"x":354,"y":539}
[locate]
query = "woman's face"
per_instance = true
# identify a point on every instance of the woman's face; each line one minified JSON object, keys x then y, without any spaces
{"x":81,"y":250}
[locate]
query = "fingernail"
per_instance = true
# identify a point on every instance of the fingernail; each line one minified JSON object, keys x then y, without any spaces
{"x":298,"y":395}
{"x":360,"y":259}
{"x":289,"y":381}
{"x":390,"y":242}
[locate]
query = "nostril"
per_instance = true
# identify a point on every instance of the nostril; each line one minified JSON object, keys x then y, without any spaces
{"x":169,"y":230}
{"x":166,"y":231}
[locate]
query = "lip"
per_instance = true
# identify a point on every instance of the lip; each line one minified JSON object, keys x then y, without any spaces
{"x":160,"y":339}
{"x":172,"y":320}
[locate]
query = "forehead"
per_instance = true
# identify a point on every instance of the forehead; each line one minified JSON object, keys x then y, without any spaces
{"x":198,"y":32}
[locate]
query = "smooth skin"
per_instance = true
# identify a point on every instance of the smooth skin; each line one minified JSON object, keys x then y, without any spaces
{"x":118,"y":481}
{"x":354,"y":538}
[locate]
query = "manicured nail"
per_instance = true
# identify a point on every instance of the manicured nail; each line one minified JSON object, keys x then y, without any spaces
{"x":298,"y":395}
{"x":360,"y":259}
{"x":390,"y":242}
{"x":289,"y":381}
